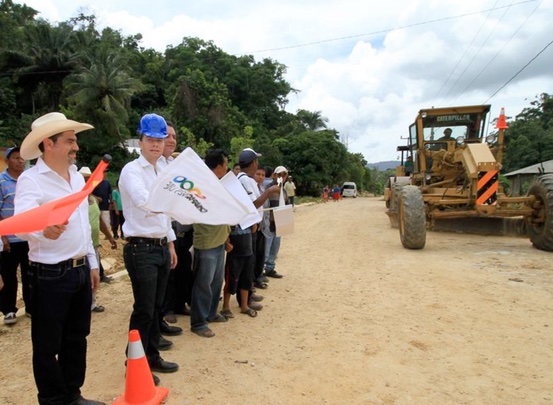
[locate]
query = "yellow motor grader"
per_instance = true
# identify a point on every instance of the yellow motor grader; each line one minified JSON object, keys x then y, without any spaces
{"x":454,"y":173}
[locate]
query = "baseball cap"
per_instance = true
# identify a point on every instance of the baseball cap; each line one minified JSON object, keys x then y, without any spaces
{"x":280,"y":169}
{"x":248,"y":155}
{"x":9,"y":151}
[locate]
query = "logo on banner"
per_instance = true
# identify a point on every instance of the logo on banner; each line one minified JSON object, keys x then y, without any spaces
{"x":183,"y":187}
{"x":189,"y":186}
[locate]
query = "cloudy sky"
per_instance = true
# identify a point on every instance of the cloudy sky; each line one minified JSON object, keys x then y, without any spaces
{"x":368,"y":66}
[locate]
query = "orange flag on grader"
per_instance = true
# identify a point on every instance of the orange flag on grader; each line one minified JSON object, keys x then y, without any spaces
{"x":502,"y":121}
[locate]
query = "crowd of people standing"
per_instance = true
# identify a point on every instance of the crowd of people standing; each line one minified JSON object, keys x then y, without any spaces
{"x":61,"y":268}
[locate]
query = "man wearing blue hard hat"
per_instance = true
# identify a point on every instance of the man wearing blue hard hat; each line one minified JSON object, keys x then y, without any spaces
{"x":149,"y":254}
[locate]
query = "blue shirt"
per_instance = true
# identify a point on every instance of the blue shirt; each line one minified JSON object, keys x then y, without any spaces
{"x":7,"y":194}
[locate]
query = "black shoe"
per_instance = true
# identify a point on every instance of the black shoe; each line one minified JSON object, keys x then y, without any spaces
{"x":157,"y":381}
{"x":170,"y":317}
{"x":169,"y":330}
{"x":164,"y":344}
{"x":273,"y":274}
{"x":185,"y":310}
{"x":82,"y":401}
{"x":106,"y":279}
{"x":162,"y":366}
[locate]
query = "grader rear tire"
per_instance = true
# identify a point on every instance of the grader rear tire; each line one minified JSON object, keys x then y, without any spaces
{"x":412,"y":218}
{"x":541,"y":233}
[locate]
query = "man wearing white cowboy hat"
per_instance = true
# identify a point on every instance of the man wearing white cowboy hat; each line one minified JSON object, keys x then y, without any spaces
{"x":63,"y":266}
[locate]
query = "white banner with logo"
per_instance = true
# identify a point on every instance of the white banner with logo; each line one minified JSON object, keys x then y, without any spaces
{"x":234,"y":187}
{"x":190,"y":193}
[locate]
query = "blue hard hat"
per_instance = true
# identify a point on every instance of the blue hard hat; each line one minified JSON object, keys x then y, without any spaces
{"x":153,"y":125}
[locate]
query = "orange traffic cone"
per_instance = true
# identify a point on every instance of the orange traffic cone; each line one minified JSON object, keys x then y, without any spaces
{"x":139,"y":387}
{"x":501,"y":121}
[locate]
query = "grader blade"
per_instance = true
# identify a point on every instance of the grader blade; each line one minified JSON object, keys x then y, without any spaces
{"x":482,"y":226}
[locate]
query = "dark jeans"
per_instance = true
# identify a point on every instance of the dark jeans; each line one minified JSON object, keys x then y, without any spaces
{"x":17,"y":256}
{"x":259,"y":252}
{"x":117,"y":222}
{"x":181,"y":279}
{"x":100,"y":267}
{"x":61,"y":300}
{"x":148,"y":267}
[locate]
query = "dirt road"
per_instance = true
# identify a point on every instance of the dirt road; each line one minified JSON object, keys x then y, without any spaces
{"x":356,"y":320}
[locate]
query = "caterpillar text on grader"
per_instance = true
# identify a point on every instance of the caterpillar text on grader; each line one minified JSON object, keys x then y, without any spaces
{"x":454,"y":174}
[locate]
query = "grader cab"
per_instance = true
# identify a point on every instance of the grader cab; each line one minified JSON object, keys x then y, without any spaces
{"x":454,"y":174}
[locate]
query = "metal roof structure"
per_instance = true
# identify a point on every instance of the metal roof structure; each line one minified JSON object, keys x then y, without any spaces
{"x":539,"y":168}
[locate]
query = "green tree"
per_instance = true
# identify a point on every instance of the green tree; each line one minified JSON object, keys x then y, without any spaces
{"x":202,"y":105}
{"x":200,"y":146}
{"x":312,"y":120}
{"x":315,"y":158}
{"x":46,"y":58}
{"x":101,"y":94}
{"x":13,"y":20}
{"x":529,"y":139}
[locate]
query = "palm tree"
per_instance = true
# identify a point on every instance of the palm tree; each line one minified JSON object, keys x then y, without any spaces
{"x":312,"y":121}
{"x":101,"y":94}
{"x":40,"y":67}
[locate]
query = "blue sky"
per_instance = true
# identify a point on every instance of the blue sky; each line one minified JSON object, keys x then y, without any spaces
{"x":368,"y":66}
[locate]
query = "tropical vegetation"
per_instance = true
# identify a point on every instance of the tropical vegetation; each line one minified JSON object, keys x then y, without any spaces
{"x":215,"y":100}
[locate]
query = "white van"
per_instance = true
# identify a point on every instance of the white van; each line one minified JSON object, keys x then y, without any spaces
{"x":349,"y":189}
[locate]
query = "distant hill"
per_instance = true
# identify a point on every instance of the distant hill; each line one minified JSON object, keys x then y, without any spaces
{"x":383,"y":166}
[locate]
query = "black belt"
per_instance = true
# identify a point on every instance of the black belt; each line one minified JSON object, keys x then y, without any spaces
{"x":69,"y":263}
{"x":147,"y":241}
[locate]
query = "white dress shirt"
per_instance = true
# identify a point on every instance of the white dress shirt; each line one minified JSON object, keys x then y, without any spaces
{"x":40,"y":185}
{"x":163,"y":162}
{"x":135,"y":183}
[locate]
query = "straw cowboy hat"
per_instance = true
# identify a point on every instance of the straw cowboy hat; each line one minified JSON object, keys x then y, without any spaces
{"x":85,"y":171}
{"x":44,"y":127}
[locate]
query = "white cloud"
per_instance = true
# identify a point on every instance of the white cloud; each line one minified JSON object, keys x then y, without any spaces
{"x":362,"y":70}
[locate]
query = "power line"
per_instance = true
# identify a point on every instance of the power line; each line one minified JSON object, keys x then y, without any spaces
{"x":498,"y":52}
{"x":517,"y":73}
{"x":49,"y":72}
{"x":386,"y":30}
{"x":462,"y":57}
{"x":477,"y":52}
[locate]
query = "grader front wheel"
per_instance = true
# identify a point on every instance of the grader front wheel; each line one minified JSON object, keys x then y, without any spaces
{"x":412,"y":218}
{"x":540,"y":226}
